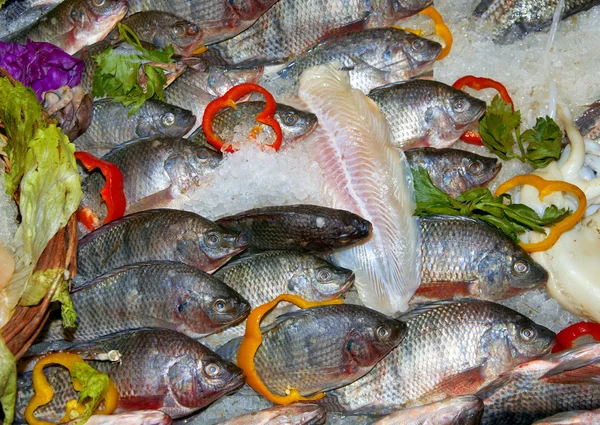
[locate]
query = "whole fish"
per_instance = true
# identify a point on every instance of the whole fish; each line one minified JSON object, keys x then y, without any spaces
{"x":576,"y":417}
{"x":163,"y":29}
{"x":451,"y":349}
{"x":16,"y":15}
{"x":159,"y":295}
{"x":453,"y":170}
{"x":112,"y":125}
{"x":374,"y":57}
{"x":465,"y":410}
{"x":157,"y":173}
{"x":559,"y":383}
{"x":324,"y":347}
{"x":463,"y":256}
{"x":74,"y":24}
{"x":510,"y":20}
{"x":156,"y":235}
{"x":158,"y":369}
{"x":139,"y":417}
{"x":290,"y":27}
{"x":292,"y":414}
{"x":298,"y":227}
{"x":426,"y":112}
{"x":366,"y":175}
{"x":588,"y":123}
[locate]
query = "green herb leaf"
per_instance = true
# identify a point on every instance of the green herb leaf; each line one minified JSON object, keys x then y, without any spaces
{"x":544,"y":142}
{"x":93,"y":388}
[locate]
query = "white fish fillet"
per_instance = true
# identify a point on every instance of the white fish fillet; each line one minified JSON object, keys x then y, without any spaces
{"x":366,"y":175}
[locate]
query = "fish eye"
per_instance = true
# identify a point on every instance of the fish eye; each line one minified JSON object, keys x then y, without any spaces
{"x":460,"y":104}
{"x":220,"y":305}
{"x":212,"y":240}
{"x":528,"y":334}
{"x":383,"y":332}
{"x":98,"y":3}
{"x":179,"y":30}
{"x":323,"y":275}
{"x":475,"y":167}
{"x":418,"y":44}
{"x":290,"y":119}
{"x":168,"y":119}
{"x":212,"y":369}
{"x":521,"y":266}
{"x":203,"y":154}
{"x":182,"y":306}
{"x":76,"y":14}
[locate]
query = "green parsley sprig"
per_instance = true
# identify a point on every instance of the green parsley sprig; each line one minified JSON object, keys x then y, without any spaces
{"x":500,"y":129}
{"x":479,"y":203}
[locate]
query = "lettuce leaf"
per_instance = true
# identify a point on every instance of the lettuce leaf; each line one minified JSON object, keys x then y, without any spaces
{"x":93,"y":388}
{"x":8,"y":382}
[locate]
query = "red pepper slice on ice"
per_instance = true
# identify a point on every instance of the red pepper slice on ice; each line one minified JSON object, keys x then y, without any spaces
{"x":480,"y":83}
{"x":267,"y":116}
{"x":112,"y":192}
{"x":566,"y":337}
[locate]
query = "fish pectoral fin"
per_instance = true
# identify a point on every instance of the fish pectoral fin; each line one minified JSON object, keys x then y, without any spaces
{"x":160,"y":199}
{"x":466,"y":382}
{"x":442,"y":290}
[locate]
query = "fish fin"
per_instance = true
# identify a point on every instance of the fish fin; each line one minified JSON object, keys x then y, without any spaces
{"x":584,"y":375}
{"x":444,"y":289}
{"x":493,"y":386}
{"x":230,"y":349}
{"x":116,"y":271}
{"x":482,"y":7}
{"x":463,"y":383}
{"x":148,"y":402}
{"x":575,"y":365}
{"x":286,"y":316}
{"x":159,"y":199}
{"x":360,"y":24}
{"x":419,"y":308}
{"x":385,"y":87}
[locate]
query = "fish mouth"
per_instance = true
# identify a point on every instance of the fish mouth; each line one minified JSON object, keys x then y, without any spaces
{"x":191,"y":123}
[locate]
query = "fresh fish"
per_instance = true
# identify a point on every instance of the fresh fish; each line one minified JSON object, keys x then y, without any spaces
{"x":298,"y":227}
{"x":196,"y":88}
{"x":159,"y":295}
{"x":325,"y":347}
{"x":588,"y":123}
{"x":426,"y":112}
{"x":576,"y":417}
{"x":157,"y":173}
{"x":112,"y":125}
{"x":453,"y":170}
{"x":74,"y":24}
{"x":16,"y":15}
{"x":510,"y":20}
{"x":139,"y":417}
{"x":158,"y":369}
{"x":367,"y":176}
{"x":374,"y":57}
{"x":463,"y":256}
{"x":559,"y":383}
{"x":464,"y":410}
{"x":451,"y":349}
{"x":290,"y":27}
{"x":162,"y":29}
{"x":156,"y":235}
{"x":292,"y":414}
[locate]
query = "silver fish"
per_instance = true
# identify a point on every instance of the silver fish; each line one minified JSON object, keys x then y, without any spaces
{"x":292,"y":414}
{"x":136,"y":417}
{"x":19,"y":14}
{"x":466,"y":410}
{"x":576,"y":417}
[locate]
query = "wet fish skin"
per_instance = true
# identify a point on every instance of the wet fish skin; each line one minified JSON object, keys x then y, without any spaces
{"x":159,"y":369}
{"x":112,"y":125}
{"x":426,"y":112}
{"x":158,"y":294}
{"x":75,"y":24}
{"x":140,"y":417}
{"x":465,"y":410}
{"x":324,"y":347}
{"x":575,"y":417}
{"x":453,"y":170}
{"x":462,"y":256}
{"x":452,"y":348}
{"x":374,"y":57}
{"x":298,"y":227}
{"x":19,"y":14}
{"x":157,"y":172}
{"x":156,"y":235}
{"x":563,"y":382}
{"x":293,"y":414}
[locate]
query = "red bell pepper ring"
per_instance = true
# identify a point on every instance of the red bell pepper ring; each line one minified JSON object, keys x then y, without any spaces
{"x":471,"y":137}
{"x":566,"y":337}
{"x":112,"y":192}
{"x":267,"y":116}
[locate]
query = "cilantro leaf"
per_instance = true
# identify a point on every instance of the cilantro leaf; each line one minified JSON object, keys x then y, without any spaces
{"x":496,"y":128}
{"x":544,"y":142}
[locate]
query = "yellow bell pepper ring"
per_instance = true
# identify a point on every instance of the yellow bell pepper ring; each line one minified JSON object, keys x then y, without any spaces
{"x":43,"y":392}
{"x":441,"y":29}
{"x":545,"y":188}
{"x":253,"y":339}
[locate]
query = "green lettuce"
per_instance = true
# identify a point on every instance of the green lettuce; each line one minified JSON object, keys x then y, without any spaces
{"x":93,"y":388}
{"x":8,"y":382}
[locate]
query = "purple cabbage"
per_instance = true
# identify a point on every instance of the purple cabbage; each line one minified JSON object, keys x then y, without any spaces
{"x":41,"y":66}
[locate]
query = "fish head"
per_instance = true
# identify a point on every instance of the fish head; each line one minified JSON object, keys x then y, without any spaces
{"x":529,"y":340}
{"x":478,"y":170}
{"x":217,"y":80}
{"x":354,"y":228}
{"x":406,"y":8}
{"x":204,"y":157}
{"x":320,"y":280}
{"x":159,"y":118}
{"x":421,"y":52}
{"x":92,"y":20}
{"x":295,"y":124}
{"x":185,"y":36}
{"x":209,"y":246}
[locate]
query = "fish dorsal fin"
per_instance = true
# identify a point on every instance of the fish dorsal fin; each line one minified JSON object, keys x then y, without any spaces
{"x":419,"y":308}
{"x":386,"y":87}
{"x":287,"y":316}
{"x":360,"y":24}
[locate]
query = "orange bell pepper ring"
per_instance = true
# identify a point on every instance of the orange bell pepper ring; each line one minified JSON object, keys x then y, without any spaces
{"x":266,"y":117}
{"x":253,"y":339}
{"x":44,"y":392}
{"x":441,"y":29}
{"x":545,"y":188}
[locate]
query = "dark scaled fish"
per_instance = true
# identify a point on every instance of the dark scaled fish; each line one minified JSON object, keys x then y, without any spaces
{"x":453,"y":170}
{"x":510,"y":20}
{"x":292,"y":414}
{"x":16,"y":15}
{"x":463,"y":256}
{"x":426,"y":112}
{"x":466,"y":410}
{"x":374,"y":57}
{"x":569,"y":380}
{"x":290,"y":27}
{"x":112,"y":125}
{"x":158,"y":295}
{"x":298,"y":227}
{"x":75,"y":24}
{"x":159,"y":369}
{"x":136,"y":417}
{"x":451,"y":349}
{"x":156,"y":235}
{"x":157,"y":173}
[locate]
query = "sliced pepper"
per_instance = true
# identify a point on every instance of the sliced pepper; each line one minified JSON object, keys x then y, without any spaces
{"x":267,"y":116}
{"x":566,"y":337}
{"x":43,"y":392}
{"x":546,"y":187}
{"x":112,"y":192}
{"x":253,"y":339}
{"x":440,"y":28}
